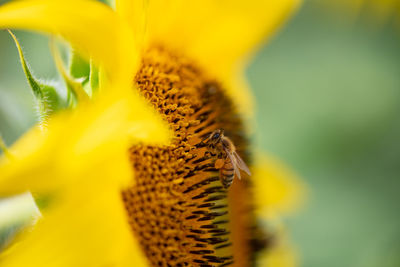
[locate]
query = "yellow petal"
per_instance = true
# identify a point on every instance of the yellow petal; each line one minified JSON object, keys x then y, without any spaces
{"x":218,"y":34}
{"x":276,"y":189}
{"x":91,"y":26}
{"x":135,"y":13}
{"x":238,"y":89}
{"x":82,"y":158}
{"x":88,"y":228}
{"x":282,"y":255}
{"x":86,"y":138}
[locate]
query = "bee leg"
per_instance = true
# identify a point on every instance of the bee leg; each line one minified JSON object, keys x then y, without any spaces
{"x":219,"y":163}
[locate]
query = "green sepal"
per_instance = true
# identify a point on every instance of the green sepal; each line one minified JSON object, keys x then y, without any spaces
{"x":94,"y":78}
{"x":87,"y":73}
{"x":78,"y":66}
{"x":50,"y":102}
{"x":76,"y":93}
{"x":79,"y":69}
{"x":48,"y":99}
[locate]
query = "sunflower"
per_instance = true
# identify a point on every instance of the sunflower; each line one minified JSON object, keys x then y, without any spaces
{"x":123,"y":162}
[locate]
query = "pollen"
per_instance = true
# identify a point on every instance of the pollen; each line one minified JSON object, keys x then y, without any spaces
{"x":178,"y":209}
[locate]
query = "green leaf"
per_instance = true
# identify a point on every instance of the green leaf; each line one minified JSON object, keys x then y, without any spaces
{"x":47,"y":97}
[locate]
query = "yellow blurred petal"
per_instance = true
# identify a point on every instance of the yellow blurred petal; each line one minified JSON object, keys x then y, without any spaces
{"x":239,"y":90}
{"x":88,"y":228}
{"x":281,"y":252}
{"x":218,"y":34}
{"x":135,"y":13}
{"x":91,"y":26}
{"x":276,"y":189}
{"x":87,"y":138}
{"x":82,"y":158}
{"x":282,"y":255}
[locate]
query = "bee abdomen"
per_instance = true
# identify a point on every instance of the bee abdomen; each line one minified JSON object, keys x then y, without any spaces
{"x":226,"y":175}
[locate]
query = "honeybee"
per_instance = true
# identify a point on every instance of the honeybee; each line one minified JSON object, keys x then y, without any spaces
{"x":233,"y":163}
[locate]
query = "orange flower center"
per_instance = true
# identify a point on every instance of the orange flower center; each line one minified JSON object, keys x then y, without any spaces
{"x":178,"y":208}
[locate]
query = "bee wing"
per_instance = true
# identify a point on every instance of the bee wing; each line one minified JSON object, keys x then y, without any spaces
{"x":232,"y":158}
{"x":241,"y":164}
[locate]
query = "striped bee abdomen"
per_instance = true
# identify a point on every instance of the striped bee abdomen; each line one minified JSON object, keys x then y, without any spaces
{"x":227,"y":173}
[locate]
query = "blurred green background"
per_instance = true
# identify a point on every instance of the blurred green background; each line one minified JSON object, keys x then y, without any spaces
{"x":328,"y":94}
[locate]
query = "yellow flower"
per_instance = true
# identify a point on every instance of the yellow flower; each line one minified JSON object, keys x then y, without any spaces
{"x":170,"y":74}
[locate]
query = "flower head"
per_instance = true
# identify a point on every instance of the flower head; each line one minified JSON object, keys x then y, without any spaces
{"x":129,"y":168}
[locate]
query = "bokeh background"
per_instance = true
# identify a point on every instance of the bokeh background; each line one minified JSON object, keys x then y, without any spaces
{"x":327,"y":88}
